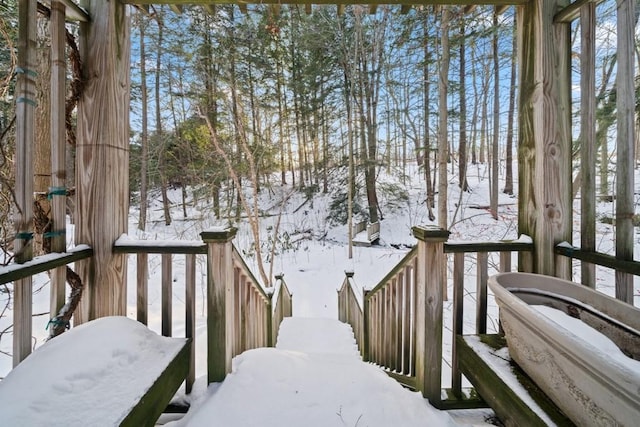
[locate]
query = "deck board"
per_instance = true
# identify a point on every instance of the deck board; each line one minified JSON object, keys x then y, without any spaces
{"x":515,"y":398}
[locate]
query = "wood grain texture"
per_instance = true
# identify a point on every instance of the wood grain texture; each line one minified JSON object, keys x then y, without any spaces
{"x":544,"y":203}
{"x":625,"y":106}
{"x":142,"y":294}
{"x":25,"y":120}
{"x":102,"y":173}
{"x":190,"y":317}
{"x":458,"y":321}
{"x":588,"y":139}
{"x":167,"y":294}
{"x":482,"y":275}
{"x":429,"y":304}
{"x":219,"y":308}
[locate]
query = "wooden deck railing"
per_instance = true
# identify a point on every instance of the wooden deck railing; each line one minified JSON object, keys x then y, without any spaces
{"x":167,"y":250}
{"x":252,"y":309}
{"x":20,"y":275}
{"x":283,"y":306}
{"x":241,"y":314}
{"x":239,"y":310}
{"x":401,"y":318}
{"x":621,"y":267}
{"x":460,"y":251}
{"x":372,"y":229}
{"x":350,"y":309}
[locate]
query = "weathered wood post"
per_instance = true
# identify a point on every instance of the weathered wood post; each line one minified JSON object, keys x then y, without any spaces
{"x":366,"y":313}
{"x":220,"y":297}
{"x":625,"y":140}
{"x":102,"y":172}
{"x":545,"y":211}
{"x":429,"y":296}
{"x":57,"y":191}
{"x":25,"y":136}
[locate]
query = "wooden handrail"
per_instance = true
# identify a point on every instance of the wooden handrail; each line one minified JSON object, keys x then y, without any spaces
{"x":242,"y":265}
{"x":395,"y":338}
{"x":603,"y":260}
{"x":394,"y":271}
{"x":40,"y":264}
{"x":350,"y":310}
{"x":281,"y":308}
{"x":22,"y":304}
{"x":130,"y":246}
{"x":240,"y":314}
{"x":166,"y":249}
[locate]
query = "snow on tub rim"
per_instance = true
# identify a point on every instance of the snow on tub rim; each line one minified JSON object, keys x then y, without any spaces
{"x":573,"y":360}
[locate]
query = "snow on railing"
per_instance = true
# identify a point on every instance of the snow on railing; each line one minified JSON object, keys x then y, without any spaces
{"x":167,"y":249}
{"x":402,"y":319}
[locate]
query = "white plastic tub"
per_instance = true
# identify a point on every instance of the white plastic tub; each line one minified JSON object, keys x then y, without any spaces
{"x":591,"y":384}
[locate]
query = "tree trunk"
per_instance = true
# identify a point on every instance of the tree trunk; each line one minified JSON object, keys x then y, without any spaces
{"x":508,"y":179}
{"x":443,"y":144}
{"x":427,"y":128}
{"x":281,"y":119}
{"x":162,"y":162}
{"x":462,"y":148}
{"x":144,"y":137}
{"x":496,"y":121}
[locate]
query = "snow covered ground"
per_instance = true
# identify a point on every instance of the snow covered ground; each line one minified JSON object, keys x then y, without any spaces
{"x":315,"y":378}
{"x":312,"y":253}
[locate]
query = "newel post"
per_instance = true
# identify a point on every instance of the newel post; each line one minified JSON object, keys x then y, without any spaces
{"x":219,"y":301}
{"x":430,"y":274}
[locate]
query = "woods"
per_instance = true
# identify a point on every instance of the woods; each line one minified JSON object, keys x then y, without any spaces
{"x":300,"y":89}
{"x":224,"y":97}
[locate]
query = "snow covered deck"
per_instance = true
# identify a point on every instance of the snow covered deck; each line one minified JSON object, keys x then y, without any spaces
{"x":314,"y":377}
{"x":107,"y":372}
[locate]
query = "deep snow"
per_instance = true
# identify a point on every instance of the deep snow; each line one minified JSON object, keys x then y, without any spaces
{"x":312,"y":254}
{"x":315,"y":378}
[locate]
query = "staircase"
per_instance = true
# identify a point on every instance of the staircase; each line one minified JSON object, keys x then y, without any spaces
{"x":313,"y":377}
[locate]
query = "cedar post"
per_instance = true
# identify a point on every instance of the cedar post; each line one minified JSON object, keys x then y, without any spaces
{"x":545,"y":208}
{"x":102,"y":153}
{"x":625,"y":104}
{"x":57,"y":192}
{"x":25,"y":136}
{"x":220,"y":299}
{"x":429,"y":297}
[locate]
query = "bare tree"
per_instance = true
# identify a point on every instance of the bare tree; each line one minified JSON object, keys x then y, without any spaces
{"x":443,"y":144}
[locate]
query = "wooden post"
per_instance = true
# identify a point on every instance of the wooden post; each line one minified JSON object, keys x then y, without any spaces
{"x":219,"y":302}
{"x":142,"y":299}
{"x":167,"y":295}
{"x":457,"y":321}
{"x":366,"y":311}
{"x":625,"y":104}
{"x":429,"y":297}
{"x":25,"y":135}
{"x":102,"y":174}
{"x":544,"y":135}
{"x":190,"y":317}
{"x":588,"y":139}
{"x":58,"y":192}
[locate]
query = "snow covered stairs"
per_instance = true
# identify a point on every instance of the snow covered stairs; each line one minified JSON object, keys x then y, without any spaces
{"x":313,"y":377}
{"x":111,"y":371}
{"x":365,"y":233}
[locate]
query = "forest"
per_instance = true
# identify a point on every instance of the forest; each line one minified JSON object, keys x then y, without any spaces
{"x":226,"y":97}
